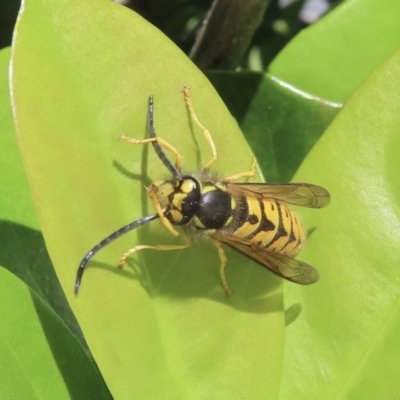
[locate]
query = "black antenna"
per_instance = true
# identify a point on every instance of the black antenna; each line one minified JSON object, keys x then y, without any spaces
{"x":106,"y":241}
{"x":142,"y":221}
{"x":157,"y":148}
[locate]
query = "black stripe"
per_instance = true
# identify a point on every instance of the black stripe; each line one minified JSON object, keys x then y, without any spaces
{"x":265,"y":224}
{"x":292,"y":237}
{"x":239,"y":214}
{"x":281,"y":231}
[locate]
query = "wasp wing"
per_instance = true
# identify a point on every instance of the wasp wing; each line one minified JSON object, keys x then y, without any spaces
{"x":283,"y":266}
{"x":299,"y":194}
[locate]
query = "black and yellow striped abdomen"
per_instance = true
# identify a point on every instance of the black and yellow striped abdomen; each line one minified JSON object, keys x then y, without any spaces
{"x":267,"y":223}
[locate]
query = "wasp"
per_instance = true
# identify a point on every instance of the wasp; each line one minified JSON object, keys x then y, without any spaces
{"x":252,"y":218}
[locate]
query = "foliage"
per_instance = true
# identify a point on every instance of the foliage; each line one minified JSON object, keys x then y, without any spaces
{"x":162,"y":328}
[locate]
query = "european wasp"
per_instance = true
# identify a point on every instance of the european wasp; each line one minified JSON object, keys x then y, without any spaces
{"x":252,"y":218}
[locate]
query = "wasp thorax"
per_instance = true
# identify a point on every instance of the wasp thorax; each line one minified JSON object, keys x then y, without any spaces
{"x":215,"y":209}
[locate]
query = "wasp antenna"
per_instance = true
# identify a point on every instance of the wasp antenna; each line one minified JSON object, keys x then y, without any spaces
{"x":105,"y":242}
{"x":157,"y":148}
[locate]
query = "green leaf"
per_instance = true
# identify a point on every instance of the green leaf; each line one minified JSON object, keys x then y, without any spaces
{"x":344,"y":343}
{"x":162,"y":328}
{"x":22,"y":248}
{"x":333,"y":57}
{"x":38,"y":353}
{"x":15,"y":203}
{"x":23,"y":252}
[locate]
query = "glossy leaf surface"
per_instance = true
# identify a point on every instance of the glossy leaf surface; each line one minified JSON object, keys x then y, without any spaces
{"x":53,"y":334}
{"x":344,"y":344}
{"x":165,"y":318}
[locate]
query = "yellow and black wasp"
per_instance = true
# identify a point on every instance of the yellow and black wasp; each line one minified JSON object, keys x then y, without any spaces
{"x":253,"y":218}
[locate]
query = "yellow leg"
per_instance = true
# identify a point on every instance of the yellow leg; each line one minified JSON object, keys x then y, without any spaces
{"x":161,"y":142}
{"x":248,"y":174}
{"x":206,"y":132}
{"x":223,"y":260}
{"x":152,"y":192}
{"x":162,"y":247}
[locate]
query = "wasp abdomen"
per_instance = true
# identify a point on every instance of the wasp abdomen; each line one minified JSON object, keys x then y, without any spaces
{"x":268,"y":223}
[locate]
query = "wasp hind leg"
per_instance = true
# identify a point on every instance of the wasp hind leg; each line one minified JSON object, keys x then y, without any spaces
{"x":223,"y":260}
{"x":162,"y":247}
{"x":247,"y":174}
{"x":206,"y":132}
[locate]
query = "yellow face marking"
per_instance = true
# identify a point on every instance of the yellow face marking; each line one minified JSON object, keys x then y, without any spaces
{"x":187,"y":186}
{"x":178,"y":199}
{"x":163,"y":190}
{"x":176,"y":216}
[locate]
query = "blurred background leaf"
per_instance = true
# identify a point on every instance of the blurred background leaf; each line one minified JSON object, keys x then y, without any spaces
{"x":343,"y":346}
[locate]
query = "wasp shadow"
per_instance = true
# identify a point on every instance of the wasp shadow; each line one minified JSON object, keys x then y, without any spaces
{"x":292,"y":313}
{"x":194,"y":273}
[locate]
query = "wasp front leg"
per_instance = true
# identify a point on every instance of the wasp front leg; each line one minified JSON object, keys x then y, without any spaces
{"x":152,"y":192}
